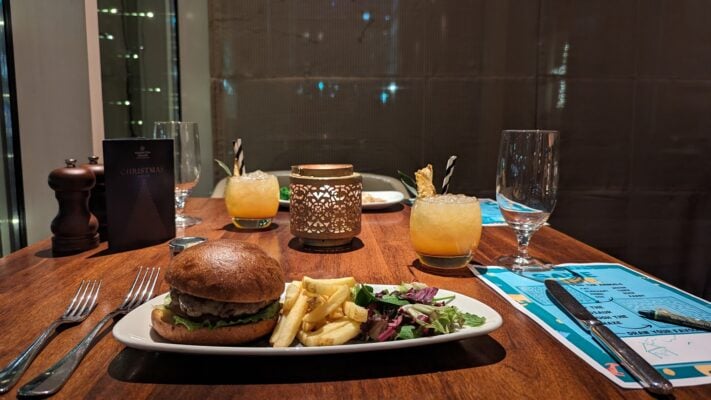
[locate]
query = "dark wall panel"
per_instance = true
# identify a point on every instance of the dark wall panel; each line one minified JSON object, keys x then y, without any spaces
{"x":390,"y":85}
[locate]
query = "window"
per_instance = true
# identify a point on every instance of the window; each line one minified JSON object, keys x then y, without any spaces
{"x":12,"y":221}
{"x":139,"y":65}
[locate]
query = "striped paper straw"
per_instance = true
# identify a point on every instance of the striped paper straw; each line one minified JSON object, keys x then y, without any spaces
{"x":239,"y":157}
{"x":448,"y":173}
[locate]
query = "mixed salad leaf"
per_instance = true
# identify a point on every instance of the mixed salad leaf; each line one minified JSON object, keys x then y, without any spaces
{"x":410,"y":311}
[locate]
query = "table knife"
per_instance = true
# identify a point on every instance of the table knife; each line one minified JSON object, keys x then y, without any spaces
{"x":637,"y":366}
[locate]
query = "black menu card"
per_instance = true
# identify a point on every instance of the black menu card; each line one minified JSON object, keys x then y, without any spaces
{"x":140,"y":192}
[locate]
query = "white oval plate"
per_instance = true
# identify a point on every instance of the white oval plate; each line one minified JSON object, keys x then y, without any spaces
{"x":386,"y":198}
{"x":134,"y":330}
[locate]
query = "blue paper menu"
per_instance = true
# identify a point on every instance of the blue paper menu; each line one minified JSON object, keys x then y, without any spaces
{"x":490,"y":213}
{"x":614,"y":294}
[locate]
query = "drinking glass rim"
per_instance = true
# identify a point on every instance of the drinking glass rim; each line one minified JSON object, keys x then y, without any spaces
{"x":174,"y":123}
{"x":251,"y":178}
{"x":431,"y":199}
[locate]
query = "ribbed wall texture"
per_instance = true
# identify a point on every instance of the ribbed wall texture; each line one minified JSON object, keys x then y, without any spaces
{"x":393,"y":85}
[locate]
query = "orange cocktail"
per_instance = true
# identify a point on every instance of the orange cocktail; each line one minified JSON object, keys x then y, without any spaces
{"x":445,"y":229}
{"x":252,"y":199}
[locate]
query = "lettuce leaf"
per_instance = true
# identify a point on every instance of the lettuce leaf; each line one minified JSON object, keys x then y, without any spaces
{"x":444,"y":319}
{"x":407,"y":332}
{"x":363,"y":295}
{"x":265,"y":313}
{"x":472,"y":319}
{"x":392,"y":299}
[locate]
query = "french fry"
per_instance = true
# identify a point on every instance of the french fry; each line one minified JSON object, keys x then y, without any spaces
{"x":291,"y":322}
{"x":331,"y":304}
{"x":325,"y":328}
{"x":340,"y":334}
{"x":307,"y":327}
{"x":355,"y":312}
{"x":333,"y":325}
{"x":336,"y":314}
{"x":318,"y":312}
{"x":290,"y":296}
{"x":314,"y":302}
{"x":348,"y":281}
{"x":305,"y":335}
{"x":312,"y":326}
{"x":327,"y":286}
{"x":277,"y":331}
{"x":311,"y":294}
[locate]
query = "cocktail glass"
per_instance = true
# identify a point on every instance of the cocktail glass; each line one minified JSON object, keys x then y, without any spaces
{"x":252,"y":199}
{"x":445,"y":229}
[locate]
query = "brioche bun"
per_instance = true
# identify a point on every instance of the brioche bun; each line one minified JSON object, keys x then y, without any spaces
{"x":224,"y":336}
{"x":224,"y":270}
{"x":227,"y":270}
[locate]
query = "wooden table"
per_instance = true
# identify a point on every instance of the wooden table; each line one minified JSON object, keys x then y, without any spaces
{"x":519,"y":360}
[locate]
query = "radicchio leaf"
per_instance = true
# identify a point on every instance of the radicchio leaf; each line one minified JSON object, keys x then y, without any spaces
{"x":424,"y":295}
{"x":390,"y":330}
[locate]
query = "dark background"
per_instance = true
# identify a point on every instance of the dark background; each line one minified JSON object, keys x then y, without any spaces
{"x":393,"y":85}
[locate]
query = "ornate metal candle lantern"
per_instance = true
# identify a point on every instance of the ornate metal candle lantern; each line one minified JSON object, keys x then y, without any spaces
{"x":325,"y":204}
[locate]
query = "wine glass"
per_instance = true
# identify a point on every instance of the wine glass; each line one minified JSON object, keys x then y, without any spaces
{"x":526,"y":188}
{"x":186,"y":149}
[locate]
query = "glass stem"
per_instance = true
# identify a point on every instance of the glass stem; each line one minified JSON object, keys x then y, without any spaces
{"x":523,"y":237}
{"x":179,"y":203}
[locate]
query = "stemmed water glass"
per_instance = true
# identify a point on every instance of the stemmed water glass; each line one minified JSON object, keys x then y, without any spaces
{"x":526,"y":188}
{"x":186,"y":149}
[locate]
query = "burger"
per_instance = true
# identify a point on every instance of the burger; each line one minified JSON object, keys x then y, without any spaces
{"x":222,"y":292}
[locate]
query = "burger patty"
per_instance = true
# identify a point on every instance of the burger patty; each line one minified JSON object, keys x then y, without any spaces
{"x":191,"y":306}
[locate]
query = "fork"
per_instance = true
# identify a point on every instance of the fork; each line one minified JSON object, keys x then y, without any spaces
{"x":78,"y":309}
{"x":51,"y":380}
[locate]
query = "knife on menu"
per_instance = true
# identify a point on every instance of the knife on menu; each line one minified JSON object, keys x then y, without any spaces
{"x":637,"y":366}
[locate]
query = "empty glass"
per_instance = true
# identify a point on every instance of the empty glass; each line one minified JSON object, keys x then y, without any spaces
{"x":186,"y":149}
{"x":526,"y":188}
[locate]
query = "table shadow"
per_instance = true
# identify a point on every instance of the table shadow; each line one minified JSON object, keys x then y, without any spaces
{"x":138,"y":366}
{"x":356,"y":244}
{"x":47,"y":253}
{"x":107,"y":251}
{"x":461,"y":272}
{"x":231,"y":228}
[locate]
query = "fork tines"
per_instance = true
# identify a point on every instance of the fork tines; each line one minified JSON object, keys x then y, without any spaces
{"x":84,"y":299}
{"x":142,"y":288}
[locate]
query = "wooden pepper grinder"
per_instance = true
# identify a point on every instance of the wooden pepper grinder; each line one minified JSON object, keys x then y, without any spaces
{"x":97,"y":200}
{"x":74,"y":227}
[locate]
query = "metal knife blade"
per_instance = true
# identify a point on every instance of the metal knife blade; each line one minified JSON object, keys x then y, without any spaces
{"x":637,"y":366}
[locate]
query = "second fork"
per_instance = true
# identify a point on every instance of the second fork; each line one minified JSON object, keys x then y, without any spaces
{"x":51,"y":380}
